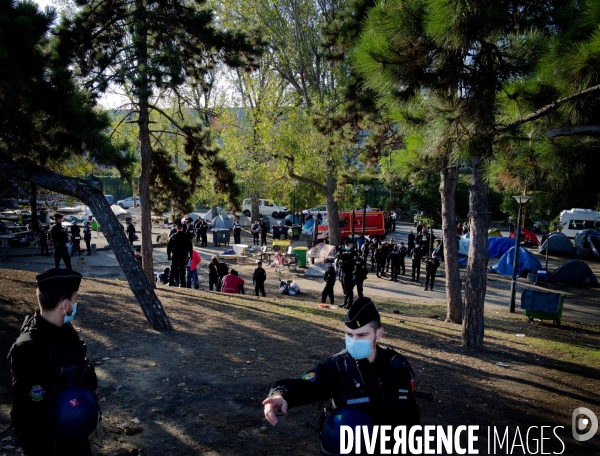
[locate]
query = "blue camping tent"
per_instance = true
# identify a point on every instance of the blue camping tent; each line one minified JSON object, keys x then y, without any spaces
{"x":308,"y":226}
{"x":527,"y":261}
{"x":498,"y":246}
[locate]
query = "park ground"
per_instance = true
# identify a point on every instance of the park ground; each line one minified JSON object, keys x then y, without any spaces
{"x":198,"y":389}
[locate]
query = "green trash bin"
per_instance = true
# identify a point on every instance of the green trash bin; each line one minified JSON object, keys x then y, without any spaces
{"x":301,"y":252}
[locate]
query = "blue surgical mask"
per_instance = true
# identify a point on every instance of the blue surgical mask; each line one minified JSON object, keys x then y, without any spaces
{"x":348,"y":248}
{"x":358,"y":348}
{"x":69,"y":318}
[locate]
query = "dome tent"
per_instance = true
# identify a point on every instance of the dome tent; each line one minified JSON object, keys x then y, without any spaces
{"x":527,"y":237}
{"x":498,"y":246}
{"x":575,"y":272}
{"x":222,"y":221}
{"x":245,"y":221}
{"x":527,"y":262}
{"x":588,"y":242}
{"x":558,"y":243}
{"x":495,"y":232}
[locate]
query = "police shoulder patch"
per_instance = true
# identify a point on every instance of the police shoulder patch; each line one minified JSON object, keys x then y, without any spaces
{"x":310,"y":376}
{"x":36,"y":393}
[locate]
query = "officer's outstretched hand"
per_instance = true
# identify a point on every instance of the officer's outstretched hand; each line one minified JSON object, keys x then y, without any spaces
{"x":273,"y":405}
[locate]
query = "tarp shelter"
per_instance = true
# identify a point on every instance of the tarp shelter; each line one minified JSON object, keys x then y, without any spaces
{"x":527,"y":262}
{"x":222,"y":221}
{"x":527,"y":237}
{"x":498,"y":246}
{"x":575,"y":272}
{"x":494,"y":233}
{"x":245,"y":221}
{"x":463,"y":245}
{"x":558,"y":244}
{"x":117,"y":210}
{"x":322,"y":251}
{"x":588,"y":242}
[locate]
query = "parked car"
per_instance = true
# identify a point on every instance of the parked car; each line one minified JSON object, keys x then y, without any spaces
{"x":540,"y":226}
{"x":321,"y":208}
{"x":111,"y":199}
{"x":128,"y":202}
{"x":265,"y":208}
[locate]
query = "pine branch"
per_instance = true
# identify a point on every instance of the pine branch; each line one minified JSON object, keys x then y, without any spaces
{"x":545,"y":110}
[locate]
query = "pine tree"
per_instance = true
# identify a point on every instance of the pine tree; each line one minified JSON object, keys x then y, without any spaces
{"x":151,"y":47}
{"x":454,"y":58}
{"x":45,"y":118}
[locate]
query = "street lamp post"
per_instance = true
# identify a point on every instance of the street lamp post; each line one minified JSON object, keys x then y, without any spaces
{"x":366,"y":189}
{"x":522,"y":200}
{"x":294,"y":184}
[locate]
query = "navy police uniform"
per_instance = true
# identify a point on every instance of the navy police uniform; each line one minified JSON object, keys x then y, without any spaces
{"x":60,"y":238}
{"x":179,"y":249}
{"x":329,"y":278}
{"x":347,"y":262}
{"x":381,"y":389}
{"x":45,"y":360}
{"x":360,"y":275}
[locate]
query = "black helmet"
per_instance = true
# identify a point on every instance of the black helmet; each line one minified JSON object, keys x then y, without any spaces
{"x":75,"y":412}
{"x":344,"y":416}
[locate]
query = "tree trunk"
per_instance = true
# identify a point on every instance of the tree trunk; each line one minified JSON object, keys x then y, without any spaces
{"x":475,"y":287}
{"x":329,"y":189}
{"x":143,"y":92}
{"x":333,"y":215}
{"x":254,"y":207}
{"x":90,"y":192}
{"x":448,"y":185}
{"x":35,"y":226}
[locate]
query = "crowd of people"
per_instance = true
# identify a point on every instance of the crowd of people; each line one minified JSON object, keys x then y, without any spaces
{"x":383,"y":372}
{"x":385,"y":257}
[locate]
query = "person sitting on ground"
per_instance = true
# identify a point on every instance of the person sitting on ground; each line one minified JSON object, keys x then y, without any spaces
{"x":233,"y":283}
{"x":163,"y":277}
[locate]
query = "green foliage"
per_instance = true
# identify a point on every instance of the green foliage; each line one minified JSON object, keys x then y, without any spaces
{"x":152,"y":49}
{"x":45,"y":117}
{"x":555,"y":224}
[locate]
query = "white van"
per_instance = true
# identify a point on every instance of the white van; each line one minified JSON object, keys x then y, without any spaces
{"x":265,"y":208}
{"x":577,"y":219}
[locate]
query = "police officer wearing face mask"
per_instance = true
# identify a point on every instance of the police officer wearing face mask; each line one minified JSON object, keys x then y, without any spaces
{"x":365,"y":376}
{"x":54,"y":408}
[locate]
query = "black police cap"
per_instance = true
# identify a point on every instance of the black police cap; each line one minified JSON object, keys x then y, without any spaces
{"x":361,"y":313}
{"x":57,"y":280}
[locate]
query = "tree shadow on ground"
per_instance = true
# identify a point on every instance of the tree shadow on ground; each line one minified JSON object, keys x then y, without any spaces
{"x":198,"y":389}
